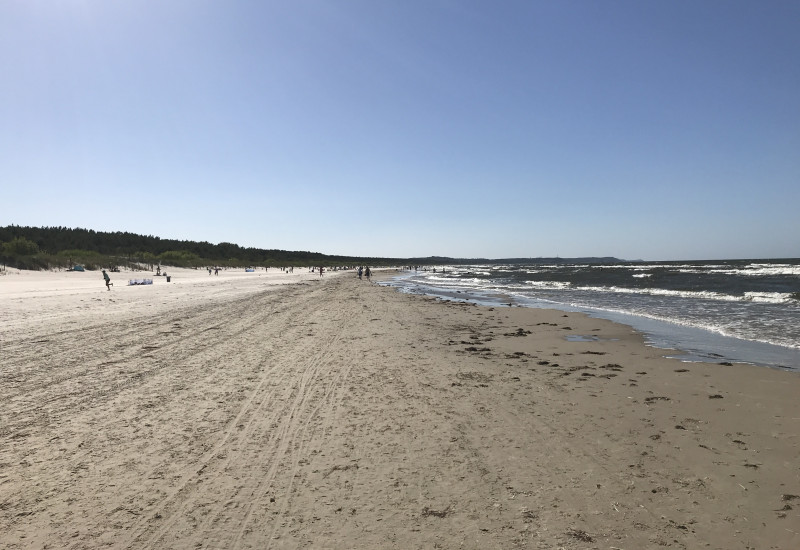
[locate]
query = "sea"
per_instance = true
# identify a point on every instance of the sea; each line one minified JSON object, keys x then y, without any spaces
{"x":737,"y":311}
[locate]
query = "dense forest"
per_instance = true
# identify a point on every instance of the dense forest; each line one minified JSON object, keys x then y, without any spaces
{"x":63,"y":248}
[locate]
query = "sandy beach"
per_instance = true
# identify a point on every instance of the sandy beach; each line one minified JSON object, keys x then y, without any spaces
{"x":272,"y":410}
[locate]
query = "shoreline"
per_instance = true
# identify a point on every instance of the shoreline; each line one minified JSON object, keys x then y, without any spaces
{"x":691,"y":344}
{"x":341,"y":414}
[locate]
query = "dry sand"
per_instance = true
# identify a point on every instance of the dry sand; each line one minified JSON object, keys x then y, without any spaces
{"x":243,"y":412}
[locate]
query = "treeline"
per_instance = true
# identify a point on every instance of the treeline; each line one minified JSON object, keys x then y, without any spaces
{"x":63,"y":247}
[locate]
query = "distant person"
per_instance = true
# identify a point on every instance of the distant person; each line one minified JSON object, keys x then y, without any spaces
{"x":360,"y":271}
{"x":368,"y":273}
{"x":320,"y":271}
{"x":109,"y":284}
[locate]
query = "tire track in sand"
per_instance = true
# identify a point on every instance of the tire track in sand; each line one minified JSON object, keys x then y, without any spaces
{"x":178,"y":498}
{"x":255,"y":437}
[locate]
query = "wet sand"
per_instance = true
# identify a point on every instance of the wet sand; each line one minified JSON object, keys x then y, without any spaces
{"x":288,"y":411}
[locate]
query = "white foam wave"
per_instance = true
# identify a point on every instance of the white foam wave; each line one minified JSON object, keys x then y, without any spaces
{"x":659,"y":292}
{"x":456,"y":273}
{"x":762,"y":297}
{"x":772,"y":269}
{"x":549,"y":285}
{"x":446,"y":281}
{"x":751,"y":270}
{"x":768,"y":297}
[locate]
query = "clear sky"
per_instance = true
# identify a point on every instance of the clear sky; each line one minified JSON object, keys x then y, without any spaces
{"x":466,"y":128}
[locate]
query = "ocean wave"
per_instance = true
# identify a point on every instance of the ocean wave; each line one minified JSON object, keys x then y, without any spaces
{"x":705,"y":294}
{"x":751,"y":270}
{"x":482,"y":280}
{"x":453,"y":281}
{"x":772,"y":269}
{"x":462,"y":274}
{"x":548,"y":285}
{"x":650,"y":267}
{"x":770,"y":297}
{"x":762,"y":297}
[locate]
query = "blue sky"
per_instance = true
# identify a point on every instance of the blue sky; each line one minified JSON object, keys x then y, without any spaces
{"x":636,"y":129}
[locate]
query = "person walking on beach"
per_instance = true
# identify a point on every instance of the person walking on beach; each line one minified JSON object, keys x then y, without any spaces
{"x":368,"y":273}
{"x":107,"y":279}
